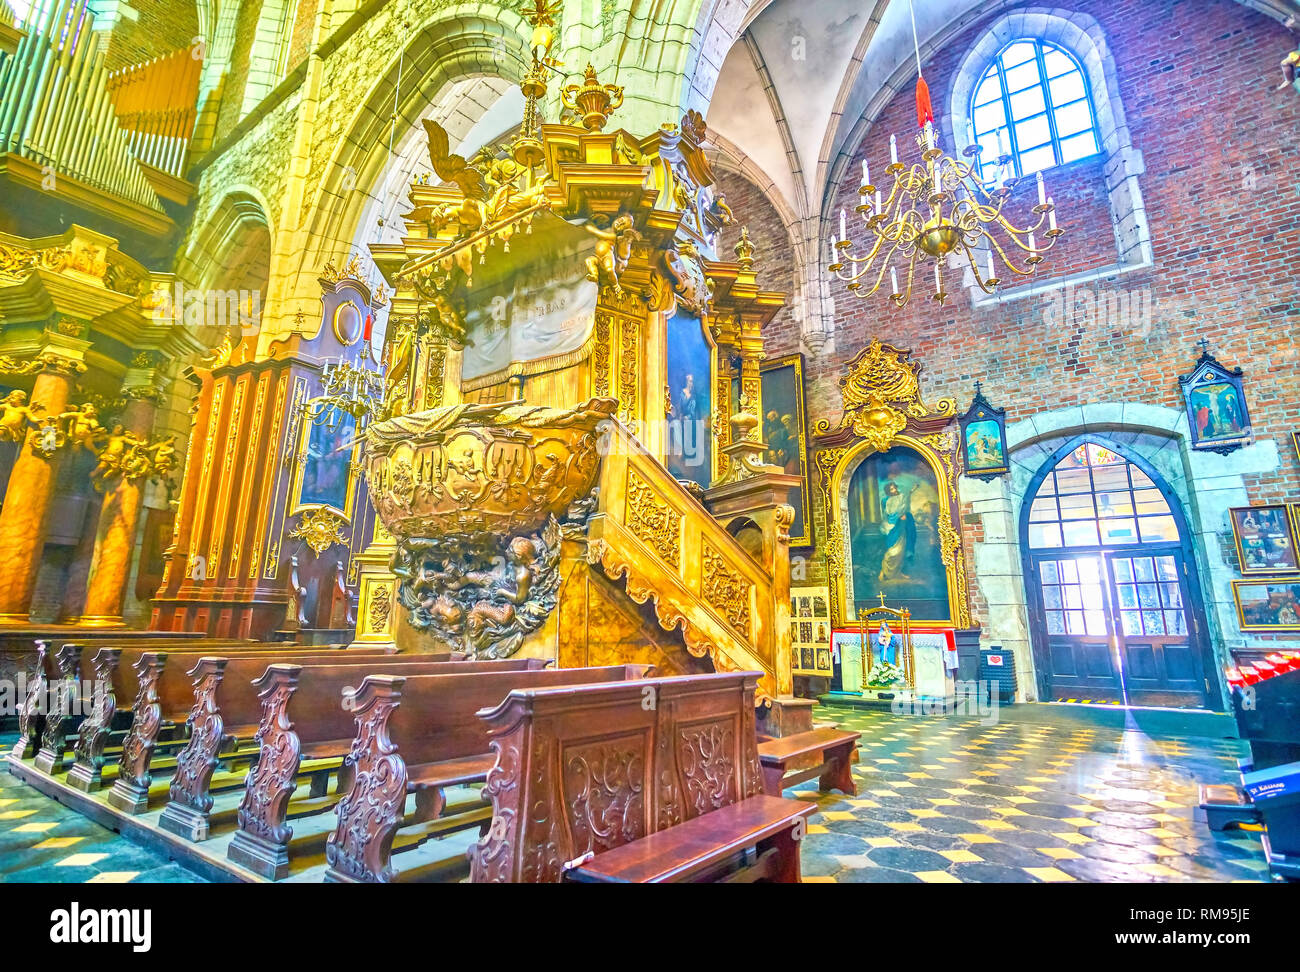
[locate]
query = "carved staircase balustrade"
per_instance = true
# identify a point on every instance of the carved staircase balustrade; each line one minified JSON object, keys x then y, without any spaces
{"x":649,"y":529}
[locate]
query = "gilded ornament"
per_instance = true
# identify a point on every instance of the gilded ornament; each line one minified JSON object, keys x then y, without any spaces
{"x":381,"y":608}
{"x":724,"y":588}
{"x":592,"y":101}
{"x":653,"y":521}
{"x":320,"y":529}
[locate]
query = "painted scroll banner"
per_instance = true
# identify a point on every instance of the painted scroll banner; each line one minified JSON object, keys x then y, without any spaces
{"x":535,"y":316}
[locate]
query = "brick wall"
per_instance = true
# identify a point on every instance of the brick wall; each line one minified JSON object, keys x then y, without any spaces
{"x":773,"y":252}
{"x":159,"y":27}
{"x":1196,"y":81}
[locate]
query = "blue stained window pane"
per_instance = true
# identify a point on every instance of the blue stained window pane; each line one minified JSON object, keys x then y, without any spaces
{"x":1072,"y":119}
{"x":1078,"y":147}
{"x":988,"y":118}
{"x":990,"y":90}
{"x":1025,"y":76}
{"x":1057,"y":63}
{"x":1028,"y":103}
{"x":1041,"y":158}
{"x":1042,"y":89}
{"x":1067,"y":88}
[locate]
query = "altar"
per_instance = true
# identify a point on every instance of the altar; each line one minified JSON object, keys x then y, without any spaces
{"x":933,"y":661}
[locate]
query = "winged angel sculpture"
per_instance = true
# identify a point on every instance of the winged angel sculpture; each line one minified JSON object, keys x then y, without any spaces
{"x":494,"y":189}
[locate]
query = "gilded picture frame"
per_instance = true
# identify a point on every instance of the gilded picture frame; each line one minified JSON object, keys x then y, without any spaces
{"x":310,"y":440}
{"x":786,"y":434}
{"x":838,"y":470}
{"x":1270,"y":604}
{"x":1265,"y":538}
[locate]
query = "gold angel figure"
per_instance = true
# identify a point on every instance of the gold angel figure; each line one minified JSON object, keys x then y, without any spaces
{"x":16,"y":416}
{"x":613,"y":250}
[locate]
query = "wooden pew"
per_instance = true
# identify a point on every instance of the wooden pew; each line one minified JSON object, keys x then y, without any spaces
{"x":73,"y":662}
{"x":166,"y":695}
{"x":419,"y":735}
{"x":53,"y":710}
{"x":116,"y":673}
{"x":302,"y":719}
{"x":227,"y":715}
{"x":649,"y":781}
{"x":18,"y":647}
{"x":827,"y":754}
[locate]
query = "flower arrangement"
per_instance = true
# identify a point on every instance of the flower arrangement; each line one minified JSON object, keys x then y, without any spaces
{"x":884,"y":674}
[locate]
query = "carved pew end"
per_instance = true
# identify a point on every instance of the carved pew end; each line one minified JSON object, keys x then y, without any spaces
{"x":372,"y":811}
{"x":267,"y":858}
{"x":190,"y":802}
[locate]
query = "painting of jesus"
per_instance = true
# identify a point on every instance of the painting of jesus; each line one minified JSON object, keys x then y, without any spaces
{"x":894,"y":539}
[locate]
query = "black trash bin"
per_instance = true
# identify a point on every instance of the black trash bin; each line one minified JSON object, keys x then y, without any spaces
{"x":998,"y":671}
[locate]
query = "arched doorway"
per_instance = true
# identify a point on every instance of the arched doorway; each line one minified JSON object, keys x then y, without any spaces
{"x":1113,"y":595}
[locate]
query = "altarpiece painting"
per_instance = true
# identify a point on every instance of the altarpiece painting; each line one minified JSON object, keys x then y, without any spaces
{"x":889,"y":490}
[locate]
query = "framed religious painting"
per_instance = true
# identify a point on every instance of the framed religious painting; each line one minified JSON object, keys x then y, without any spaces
{"x":783,"y":427}
{"x":325,"y":472}
{"x":1271,"y":604}
{"x":1265,"y":539}
{"x":1215,"y":400}
{"x":984,"y":439}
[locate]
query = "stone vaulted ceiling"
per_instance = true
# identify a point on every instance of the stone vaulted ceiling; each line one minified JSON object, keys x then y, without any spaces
{"x":804,"y":79}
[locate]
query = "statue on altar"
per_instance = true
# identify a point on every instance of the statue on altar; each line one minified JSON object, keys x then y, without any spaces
{"x":885,"y":645}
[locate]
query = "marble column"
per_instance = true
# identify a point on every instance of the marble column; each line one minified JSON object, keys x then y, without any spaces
{"x":31,"y":487}
{"x":119,"y":518}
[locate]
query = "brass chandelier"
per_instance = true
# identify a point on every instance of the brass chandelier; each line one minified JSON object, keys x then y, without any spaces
{"x":935,"y":208}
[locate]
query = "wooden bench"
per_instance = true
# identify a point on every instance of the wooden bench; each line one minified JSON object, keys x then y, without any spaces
{"x":302,"y":718}
{"x":420,"y":735}
{"x":54,"y":688}
{"x":831,"y":752}
{"x":19,"y":648}
{"x":97,"y":710}
{"x":166,"y":696}
{"x":657,"y":780}
{"x":116,"y":677}
{"x":227,"y":712}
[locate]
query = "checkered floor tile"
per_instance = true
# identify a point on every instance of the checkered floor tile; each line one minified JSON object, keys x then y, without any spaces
{"x":951,"y":799}
{"x":940,"y":800}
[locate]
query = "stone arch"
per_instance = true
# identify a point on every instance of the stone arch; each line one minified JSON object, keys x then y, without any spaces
{"x":1204,"y":486}
{"x":729,"y":158}
{"x":232,"y":248}
{"x":457,"y":43}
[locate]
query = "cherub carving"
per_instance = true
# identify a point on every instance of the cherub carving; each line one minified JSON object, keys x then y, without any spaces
{"x":162,"y":456}
{"x":613,"y":250}
{"x":17,"y":417}
{"x":113,"y":455}
{"x":83,"y":426}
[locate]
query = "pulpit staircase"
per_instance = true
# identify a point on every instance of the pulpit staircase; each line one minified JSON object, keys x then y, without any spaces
{"x":650,"y":531}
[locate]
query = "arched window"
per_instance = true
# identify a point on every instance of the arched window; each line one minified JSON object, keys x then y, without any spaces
{"x":1033,"y":104}
{"x":1094,"y":497}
